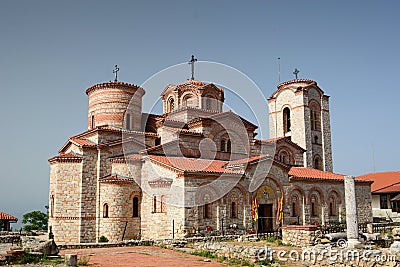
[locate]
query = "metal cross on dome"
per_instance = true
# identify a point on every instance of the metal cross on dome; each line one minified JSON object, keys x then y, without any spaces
{"x":295,"y":72}
{"x":191,"y":62}
{"x":116,"y":73}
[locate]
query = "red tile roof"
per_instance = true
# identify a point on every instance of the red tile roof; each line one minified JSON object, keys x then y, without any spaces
{"x":7,"y":217}
{"x":115,"y":179}
{"x":384,"y":182}
{"x":395,"y":188}
{"x":82,"y":141}
{"x":247,"y":160}
{"x":309,"y":173}
{"x":161,"y":181}
{"x":280,"y":139}
{"x":66,"y":156}
{"x":194,"y":164}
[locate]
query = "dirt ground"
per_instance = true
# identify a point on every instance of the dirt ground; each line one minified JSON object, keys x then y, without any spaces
{"x":139,"y":256}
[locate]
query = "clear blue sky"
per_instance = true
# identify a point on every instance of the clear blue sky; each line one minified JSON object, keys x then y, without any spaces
{"x":51,"y":51}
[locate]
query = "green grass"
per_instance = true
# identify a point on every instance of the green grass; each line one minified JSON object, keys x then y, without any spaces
{"x":206,"y":254}
{"x":83,"y":261}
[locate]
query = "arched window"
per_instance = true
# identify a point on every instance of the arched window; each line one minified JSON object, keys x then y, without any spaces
{"x":105,"y":210}
{"x":228,"y":146}
{"x":135,"y":211}
{"x":223,"y":144}
{"x":233,"y":210}
{"x":315,"y":139}
{"x":128,"y":121}
{"x":314,"y":206}
{"x":317,"y":163}
{"x":286,"y":120}
{"x":189,"y":101}
{"x":171,"y":104}
{"x":332,"y":206}
{"x":52,"y":206}
{"x":207,"y":211}
{"x":315,"y":115}
{"x":295,"y":206}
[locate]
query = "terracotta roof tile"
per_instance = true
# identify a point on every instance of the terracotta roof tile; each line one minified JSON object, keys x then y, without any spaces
{"x":247,"y":160}
{"x":66,"y":156}
{"x":122,"y":159}
{"x":390,"y":189}
{"x":194,"y":164}
{"x":161,"y":181}
{"x":115,"y":179}
{"x":309,"y":173}
{"x":279,"y":139}
{"x":382,"y":180}
{"x":7,"y":217}
{"x":82,"y":141}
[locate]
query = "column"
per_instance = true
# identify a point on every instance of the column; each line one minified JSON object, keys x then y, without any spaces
{"x":351,"y":212}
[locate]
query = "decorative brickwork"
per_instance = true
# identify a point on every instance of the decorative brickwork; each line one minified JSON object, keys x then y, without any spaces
{"x":191,"y":170}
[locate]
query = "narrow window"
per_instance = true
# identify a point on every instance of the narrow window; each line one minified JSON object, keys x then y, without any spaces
{"x":208,"y":104}
{"x":135,"y":207}
{"x":207,"y":210}
{"x":92,"y":121}
{"x":384,"y":204}
{"x":105,"y":210}
{"x":315,"y":139}
{"x":154,"y":204}
{"x":286,"y":120}
{"x":331,"y":209}
{"x":233,"y":210}
{"x":128,"y":121}
{"x":163,"y":204}
{"x":228,"y":146}
{"x":294,"y":213}
{"x":51,"y":206}
{"x":158,"y":141}
{"x":171,"y":104}
{"x":313,"y":211}
{"x":223,"y":148}
{"x":317,"y":163}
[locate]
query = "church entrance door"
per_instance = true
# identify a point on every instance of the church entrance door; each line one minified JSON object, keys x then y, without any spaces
{"x":265,"y":218}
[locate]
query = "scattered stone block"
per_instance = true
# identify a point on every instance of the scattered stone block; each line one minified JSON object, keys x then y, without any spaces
{"x":71,"y":260}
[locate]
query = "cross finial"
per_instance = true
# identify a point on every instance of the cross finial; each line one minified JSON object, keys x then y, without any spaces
{"x":295,"y":72}
{"x":191,"y":62}
{"x":116,"y":73}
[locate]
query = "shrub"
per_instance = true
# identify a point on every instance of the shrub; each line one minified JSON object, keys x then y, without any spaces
{"x":103,"y":239}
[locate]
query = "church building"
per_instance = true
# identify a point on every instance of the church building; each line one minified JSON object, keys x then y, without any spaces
{"x":196,"y":167}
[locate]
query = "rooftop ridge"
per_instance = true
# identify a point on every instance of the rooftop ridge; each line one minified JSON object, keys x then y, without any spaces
{"x":296,"y":81}
{"x":113,"y":84}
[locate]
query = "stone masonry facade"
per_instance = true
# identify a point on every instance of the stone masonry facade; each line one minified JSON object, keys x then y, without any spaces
{"x":196,"y":169}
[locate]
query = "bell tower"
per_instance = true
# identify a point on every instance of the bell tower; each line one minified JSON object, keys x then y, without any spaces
{"x":299,"y":109}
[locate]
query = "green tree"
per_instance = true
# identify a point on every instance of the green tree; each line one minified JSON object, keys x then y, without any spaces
{"x":35,"y":220}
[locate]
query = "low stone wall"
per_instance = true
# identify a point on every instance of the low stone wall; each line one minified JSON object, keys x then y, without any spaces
{"x":299,"y":235}
{"x":161,"y":242}
{"x":10,"y":239}
{"x":251,"y":254}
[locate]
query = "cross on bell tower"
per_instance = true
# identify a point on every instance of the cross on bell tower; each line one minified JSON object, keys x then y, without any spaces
{"x":116,"y":73}
{"x":191,"y":62}
{"x":295,"y":72}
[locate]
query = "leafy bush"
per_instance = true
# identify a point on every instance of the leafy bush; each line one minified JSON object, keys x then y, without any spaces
{"x":103,"y":239}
